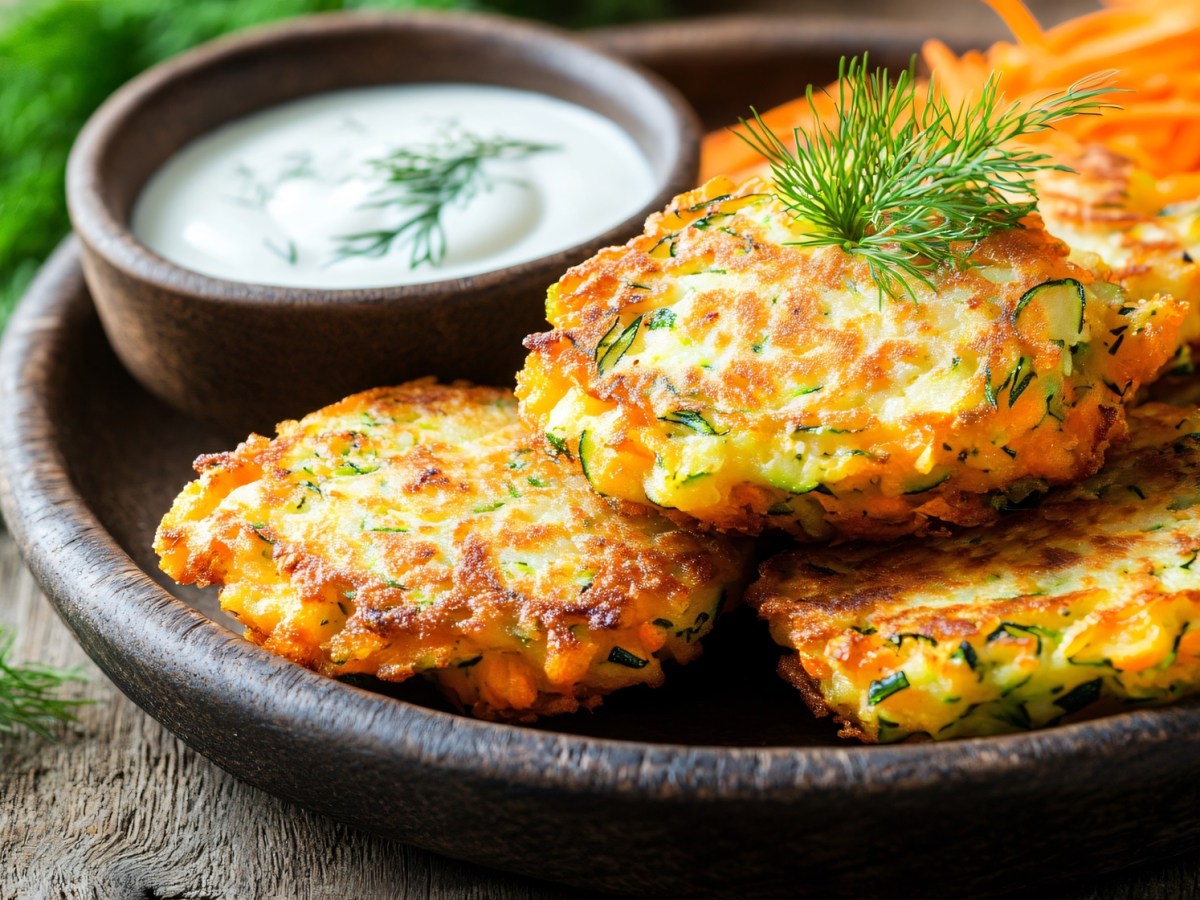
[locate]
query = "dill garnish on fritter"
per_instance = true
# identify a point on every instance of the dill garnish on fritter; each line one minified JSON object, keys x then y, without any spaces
{"x":740,"y":363}
{"x":905,"y":180}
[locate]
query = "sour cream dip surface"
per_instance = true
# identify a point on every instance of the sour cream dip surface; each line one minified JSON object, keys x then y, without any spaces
{"x":392,"y":185}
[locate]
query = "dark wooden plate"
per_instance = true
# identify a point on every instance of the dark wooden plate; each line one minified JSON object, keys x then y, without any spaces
{"x":719,"y":784}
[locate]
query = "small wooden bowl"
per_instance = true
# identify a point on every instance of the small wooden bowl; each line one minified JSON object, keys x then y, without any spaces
{"x":245,"y":356}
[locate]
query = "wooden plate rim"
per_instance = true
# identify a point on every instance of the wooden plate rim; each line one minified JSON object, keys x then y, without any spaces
{"x":98,"y":589}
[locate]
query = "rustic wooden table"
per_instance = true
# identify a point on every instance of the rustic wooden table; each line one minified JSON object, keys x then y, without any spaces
{"x":119,"y":808}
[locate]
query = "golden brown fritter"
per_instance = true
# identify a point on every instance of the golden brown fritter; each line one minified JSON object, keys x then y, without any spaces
{"x":415,"y":530}
{"x":1113,"y":218}
{"x":1089,"y":602}
{"x":712,"y":367}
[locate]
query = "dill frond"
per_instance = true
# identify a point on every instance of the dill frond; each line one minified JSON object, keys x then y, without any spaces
{"x":28,"y":694}
{"x":904,"y":180}
{"x":421,"y":182}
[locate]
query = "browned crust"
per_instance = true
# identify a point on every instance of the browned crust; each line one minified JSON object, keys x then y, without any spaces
{"x":793,"y":673}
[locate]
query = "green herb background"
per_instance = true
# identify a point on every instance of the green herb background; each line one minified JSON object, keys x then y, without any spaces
{"x":59,"y":59}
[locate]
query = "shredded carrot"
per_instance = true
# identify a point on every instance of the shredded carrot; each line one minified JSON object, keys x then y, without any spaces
{"x":1151,"y":46}
{"x":1177,"y":188}
{"x":1184,"y":152}
{"x":955,"y":81}
{"x":1020,"y":21}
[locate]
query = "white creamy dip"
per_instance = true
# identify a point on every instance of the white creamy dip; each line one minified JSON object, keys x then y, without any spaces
{"x":314,"y":193}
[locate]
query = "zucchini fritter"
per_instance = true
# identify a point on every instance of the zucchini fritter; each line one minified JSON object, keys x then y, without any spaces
{"x":1088,"y":603}
{"x":415,"y":529}
{"x":1112,"y":216}
{"x":709,"y":366}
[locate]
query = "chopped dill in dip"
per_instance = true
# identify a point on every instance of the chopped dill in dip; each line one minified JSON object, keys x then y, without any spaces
{"x":400,"y":184}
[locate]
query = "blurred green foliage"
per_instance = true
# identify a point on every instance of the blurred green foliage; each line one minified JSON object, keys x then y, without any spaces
{"x":60,"y":58}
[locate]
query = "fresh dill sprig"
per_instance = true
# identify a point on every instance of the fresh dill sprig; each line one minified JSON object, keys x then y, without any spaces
{"x":422,"y":182}
{"x":904,"y":180}
{"x":28,"y":694}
